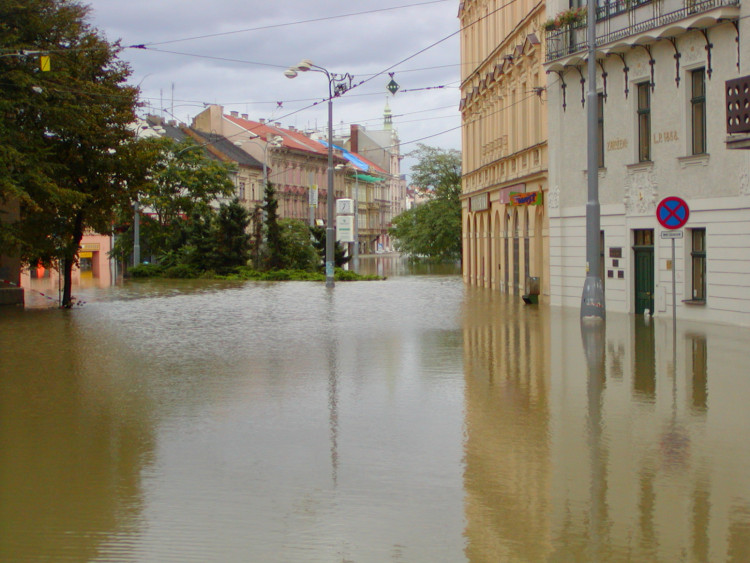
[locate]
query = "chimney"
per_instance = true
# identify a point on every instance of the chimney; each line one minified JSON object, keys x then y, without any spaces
{"x":292,"y":128}
{"x":262,"y":120}
{"x":354,"y":138}
{"x":234,"y":113}
{"x":244,"y":116}
{"x":172,"y":122}
{"x":277,"y":124}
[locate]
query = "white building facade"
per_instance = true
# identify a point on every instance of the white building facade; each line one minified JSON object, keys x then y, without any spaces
{"x":662,"y":66}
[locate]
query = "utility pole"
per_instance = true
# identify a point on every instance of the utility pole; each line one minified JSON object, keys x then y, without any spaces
{"x":592,"y":299}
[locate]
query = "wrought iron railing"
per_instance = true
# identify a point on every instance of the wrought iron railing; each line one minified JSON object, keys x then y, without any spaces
{"x":617,"y":19}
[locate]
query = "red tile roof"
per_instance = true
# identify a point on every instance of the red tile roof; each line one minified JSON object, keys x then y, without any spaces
{"x":292,"y":139}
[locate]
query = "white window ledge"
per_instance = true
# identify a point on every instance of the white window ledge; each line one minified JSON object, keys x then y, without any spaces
{"x":693,"y":160}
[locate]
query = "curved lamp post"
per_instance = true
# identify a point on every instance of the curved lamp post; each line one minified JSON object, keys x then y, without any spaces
{"x":274,"y":141}
{"x":338,"y":84}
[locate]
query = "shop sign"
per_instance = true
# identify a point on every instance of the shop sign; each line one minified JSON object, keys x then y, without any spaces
{"x":526,"y":198}
{"x":506,"y":191}
{"x":312,"y":196}
{"x":480,"y":202}
{"x":345,"y":228}
{"x":90,"y":246}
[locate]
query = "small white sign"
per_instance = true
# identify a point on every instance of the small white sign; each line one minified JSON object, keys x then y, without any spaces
{"x":671,"y":234}
{"x":312,"y":196}
{"x":345,"y":228}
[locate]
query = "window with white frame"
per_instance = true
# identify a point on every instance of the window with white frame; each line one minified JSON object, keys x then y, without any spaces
{"x":644,"y":122}
{"x":600,"y":128}
{"x":698,"y":111}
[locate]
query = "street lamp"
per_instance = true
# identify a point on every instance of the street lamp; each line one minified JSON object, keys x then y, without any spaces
{"x":338,"y":84}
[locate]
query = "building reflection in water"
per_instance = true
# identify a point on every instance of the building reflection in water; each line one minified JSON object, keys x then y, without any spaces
{"x":603,"y":446}
{"x":74,"y":442}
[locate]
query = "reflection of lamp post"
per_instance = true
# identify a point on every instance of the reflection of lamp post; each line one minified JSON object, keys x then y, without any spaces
{"x":337,"y":85}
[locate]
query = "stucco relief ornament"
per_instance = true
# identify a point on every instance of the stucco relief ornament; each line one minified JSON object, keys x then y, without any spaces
{"x":693,"y":51}
{"x":640,"y":193}
{"x":553,"y":197}
{"x":744,"y":184}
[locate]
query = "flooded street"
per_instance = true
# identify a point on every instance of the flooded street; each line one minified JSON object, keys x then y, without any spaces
{"x":412,"y":419}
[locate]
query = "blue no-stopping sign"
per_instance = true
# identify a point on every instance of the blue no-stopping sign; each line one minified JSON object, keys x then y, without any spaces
{"x":672,"y":212}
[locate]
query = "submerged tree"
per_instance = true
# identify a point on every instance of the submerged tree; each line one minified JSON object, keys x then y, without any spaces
{"x":232,"y":238}
{"x":64,"y":133}
{"x":339,"y":253}
{"x":275,"y":251}
{"x":183,"y":183}
{"x":433,"y":228}
{"x":300,"y":252}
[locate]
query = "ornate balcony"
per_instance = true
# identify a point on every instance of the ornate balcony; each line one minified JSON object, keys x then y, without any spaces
{"x":622,"y":23}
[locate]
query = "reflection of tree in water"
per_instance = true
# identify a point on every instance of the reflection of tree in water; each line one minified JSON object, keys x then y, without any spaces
{"x":72,"y":453}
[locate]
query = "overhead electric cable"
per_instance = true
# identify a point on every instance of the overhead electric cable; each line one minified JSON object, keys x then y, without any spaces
{"x":299,"y":22}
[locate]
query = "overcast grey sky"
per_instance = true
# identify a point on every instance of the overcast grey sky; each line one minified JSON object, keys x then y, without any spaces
{"x":234,"y":53}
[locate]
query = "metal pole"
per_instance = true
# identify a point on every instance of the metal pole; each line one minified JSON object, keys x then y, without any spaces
{"x":674,"y":293}
{"x":136,"y":235}
{"x":311,"y":209}
{"x":592,"y":299}
{"x":356,"y":223}
{"x":330,"y":234}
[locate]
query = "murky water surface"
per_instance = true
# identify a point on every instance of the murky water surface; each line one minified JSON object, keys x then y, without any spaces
{"x":411,"y":419}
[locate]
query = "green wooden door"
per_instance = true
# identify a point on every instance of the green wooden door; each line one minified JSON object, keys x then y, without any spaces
{"x":644,"y":279}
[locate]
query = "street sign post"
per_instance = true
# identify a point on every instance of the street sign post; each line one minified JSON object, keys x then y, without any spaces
{"x":673,"y":213}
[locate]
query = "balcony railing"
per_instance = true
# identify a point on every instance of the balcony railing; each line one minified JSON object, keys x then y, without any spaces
{"x":618,"y":19}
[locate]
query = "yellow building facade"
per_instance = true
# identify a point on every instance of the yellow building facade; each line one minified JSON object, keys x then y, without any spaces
{"x":504,"y":136}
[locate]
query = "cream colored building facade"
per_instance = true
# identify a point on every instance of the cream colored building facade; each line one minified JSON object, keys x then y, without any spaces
{"x":504,"y":163}
{"x":661,"y":76}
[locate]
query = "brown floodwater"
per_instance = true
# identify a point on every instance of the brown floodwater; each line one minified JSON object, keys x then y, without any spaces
{"x":412,"y":419}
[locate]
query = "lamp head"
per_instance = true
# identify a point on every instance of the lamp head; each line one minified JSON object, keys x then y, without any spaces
{"x":304,"y":65}
{"x":290,"y":73}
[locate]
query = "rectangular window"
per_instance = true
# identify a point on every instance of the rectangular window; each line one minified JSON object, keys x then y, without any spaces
{"x":644,"y":122}
{"x":600,"y":128}
{"x":698,"y":259}
{"x":698,"y":110}
{"x":242,"y":191}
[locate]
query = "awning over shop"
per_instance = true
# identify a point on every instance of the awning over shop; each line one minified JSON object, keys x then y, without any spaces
{"x":367,"y":178}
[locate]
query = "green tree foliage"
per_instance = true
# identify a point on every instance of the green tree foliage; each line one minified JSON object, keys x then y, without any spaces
{"x":433,"y":228}
{"x":300,"y":252}
{"x":232,"y":239}
{"x":183,"y":185}
{"x":65,"y":152}
{"x":339,"y":253}
{"x":184,"y":181}
{"x":275,"y":251}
